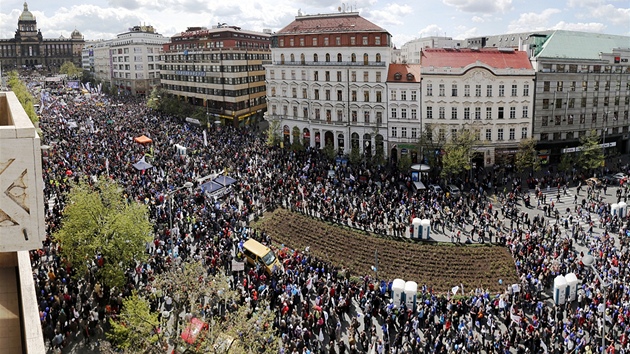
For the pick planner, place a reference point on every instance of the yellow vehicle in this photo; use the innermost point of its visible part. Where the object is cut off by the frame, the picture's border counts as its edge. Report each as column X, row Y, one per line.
column 257, row 253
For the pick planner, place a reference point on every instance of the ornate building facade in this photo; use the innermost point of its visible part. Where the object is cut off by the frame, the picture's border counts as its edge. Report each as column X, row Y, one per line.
column 29, row 49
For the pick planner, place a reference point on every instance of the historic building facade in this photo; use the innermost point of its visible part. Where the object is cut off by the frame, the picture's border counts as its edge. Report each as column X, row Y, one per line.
column 582, row 84
column 404, row 114
column 489, row 92
column 29, row 49
column 327, row 82
column 220, row 69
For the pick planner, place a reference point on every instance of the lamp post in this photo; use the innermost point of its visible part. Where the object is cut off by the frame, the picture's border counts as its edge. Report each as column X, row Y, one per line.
column 589, row 261
column 605, row 130
column 170, row 196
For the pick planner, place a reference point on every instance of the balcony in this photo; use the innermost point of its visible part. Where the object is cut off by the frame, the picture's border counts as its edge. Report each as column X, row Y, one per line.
column 330, row 63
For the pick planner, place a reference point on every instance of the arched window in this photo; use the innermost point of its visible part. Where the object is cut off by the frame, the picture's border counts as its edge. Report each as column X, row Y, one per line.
column 378, row 57
column 365, row 59
column 339, row 57
column 281, row 58
column 353, row 58
column 327, row 58
column 302, row 59
column 315, row 57
column 292, row 58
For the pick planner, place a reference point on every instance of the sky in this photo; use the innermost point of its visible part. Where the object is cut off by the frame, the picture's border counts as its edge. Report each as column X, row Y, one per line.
column 404, row 20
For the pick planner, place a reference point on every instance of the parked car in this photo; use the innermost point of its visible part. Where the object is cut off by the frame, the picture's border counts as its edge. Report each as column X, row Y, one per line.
column 435, row 188
column 610, row 180
column 453, row 190
column 619, row 176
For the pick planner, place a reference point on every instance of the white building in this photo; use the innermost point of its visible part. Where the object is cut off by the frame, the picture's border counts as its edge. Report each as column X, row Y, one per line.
column 87, row 56
column 404, row 117
column 131, row 61
column 410, row 51
column 326, row 83
column 488, row 91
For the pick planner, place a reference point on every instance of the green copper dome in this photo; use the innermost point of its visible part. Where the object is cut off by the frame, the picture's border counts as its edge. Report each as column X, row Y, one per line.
column 26, row 15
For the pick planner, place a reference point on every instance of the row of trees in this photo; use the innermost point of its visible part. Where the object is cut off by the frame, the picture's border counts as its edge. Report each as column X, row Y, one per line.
column 160, row 100
column 23, row 95
column 104, row 233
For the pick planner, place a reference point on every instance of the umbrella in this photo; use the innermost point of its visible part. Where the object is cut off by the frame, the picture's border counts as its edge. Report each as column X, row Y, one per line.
column 68, row 173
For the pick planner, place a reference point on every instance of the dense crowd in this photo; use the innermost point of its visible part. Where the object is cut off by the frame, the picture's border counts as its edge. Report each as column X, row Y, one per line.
column 318, row 308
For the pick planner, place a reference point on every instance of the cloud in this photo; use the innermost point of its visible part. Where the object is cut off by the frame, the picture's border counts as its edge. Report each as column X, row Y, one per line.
column 463, row 32
column 480, row 6
column 615, row 15
column 582, row 27
column 431, row 30
column 477, row 19
column 392, row 14
column 531, row 21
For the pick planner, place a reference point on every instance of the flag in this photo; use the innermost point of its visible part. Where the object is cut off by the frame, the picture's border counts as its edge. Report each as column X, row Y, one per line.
column 454, row 289
column 205, row 139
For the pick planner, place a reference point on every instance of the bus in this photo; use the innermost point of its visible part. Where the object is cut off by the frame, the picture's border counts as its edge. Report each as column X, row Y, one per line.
column 257, row 253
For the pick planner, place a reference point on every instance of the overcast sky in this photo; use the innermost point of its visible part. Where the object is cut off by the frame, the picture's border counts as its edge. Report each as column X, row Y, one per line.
column 405, row 20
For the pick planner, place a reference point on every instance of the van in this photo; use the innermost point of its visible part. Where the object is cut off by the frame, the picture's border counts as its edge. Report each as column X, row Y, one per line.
column 257, row 253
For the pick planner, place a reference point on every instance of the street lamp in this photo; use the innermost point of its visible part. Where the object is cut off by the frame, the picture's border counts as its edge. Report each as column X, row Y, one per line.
column 170, row 196
column 589, row 261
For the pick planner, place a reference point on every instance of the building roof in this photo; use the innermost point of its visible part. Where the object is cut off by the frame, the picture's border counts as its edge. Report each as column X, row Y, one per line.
column 460, row 58
column 330, row 23
column 26, row 15
column 400, row 73
column 580, row 45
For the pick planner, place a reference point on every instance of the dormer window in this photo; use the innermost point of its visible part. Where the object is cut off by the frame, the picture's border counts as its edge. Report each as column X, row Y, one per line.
column 409, row 76
column 397, row 76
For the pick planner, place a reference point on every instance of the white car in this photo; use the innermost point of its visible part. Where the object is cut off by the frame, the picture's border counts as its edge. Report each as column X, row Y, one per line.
column 435, row 188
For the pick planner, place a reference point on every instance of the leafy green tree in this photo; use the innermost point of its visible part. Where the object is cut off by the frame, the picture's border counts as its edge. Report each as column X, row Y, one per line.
column 526, row 156
column 71, row 70
column 136, row 329
column 458, row 154
column 404, row 163
column 355, row 156
column 273, row 133
column 591, row 154
column 566, row 162
column 23, row 95
column 103, row 231
column 153, row 101
column 329, row 152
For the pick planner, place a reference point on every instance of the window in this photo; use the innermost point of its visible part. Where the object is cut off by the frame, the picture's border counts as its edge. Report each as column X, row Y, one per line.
column 327, row 95
column 500, row 134
column 353, row 94
column 354, row 116
column 326, row 41
column 477, row 90
column 441, row 113
column 477, row 113
column 394, row 113
column 571, row 102
column 501, row 90
column 379, row 117
column 316, row 75
column 453, row 112
column 466, row 90
column 339, row 58
column 500, row 115
column 570, row 119
column 315, row 41
column 414, row 133
column 378, row 57
column 545, row 104
column 339, row 95
column 429, row 89
column 582, row 118
column 366, row 116
column 353, row 58
column 512, row 112
column 315, row 58
column 544, row 121
column 526, row 90
column 523, row 133
column 489, row 134
column 338, row 40
column 453, row 134
column 403, row 95
column 441, row 90
column 558, row 102
column 546, row 86
column 403, row 113
column 327, row 75
column 414, row 95
column 441, row 134
column 467, row 113
column 392, row 93
column 378, row 76
column 366, row 96
column 294, row 92
column 328, row 116
column 525, row 111
column 378, row 96
column 353, row 40
column 489, row 90
column 544, row 136
column 317, row 116
column 366, row 76
column 429, row 112
column 403, row 132
column 559, row 85
column 301, row 42
column 339, row 115
column 365, row 59
column 338, row 76
column 454, row 90
column 488, row 112
column 305, row 112
column 394, row 132
column 414, row 113
column 353, row 76
column 365, row 40
column 512, row 133
column 377, row 40
column 583, row 102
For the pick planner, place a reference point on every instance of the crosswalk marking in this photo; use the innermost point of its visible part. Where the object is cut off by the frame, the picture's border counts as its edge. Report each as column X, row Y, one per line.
column 552, row 194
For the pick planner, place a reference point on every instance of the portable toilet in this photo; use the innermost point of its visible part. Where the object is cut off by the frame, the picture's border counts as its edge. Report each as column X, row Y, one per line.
column 425, row 227
column 623, row 209
column 560, row 290
column 614, row 209
column 398, row 291
column 411, row 291
column 415, row 228
column 572, row 284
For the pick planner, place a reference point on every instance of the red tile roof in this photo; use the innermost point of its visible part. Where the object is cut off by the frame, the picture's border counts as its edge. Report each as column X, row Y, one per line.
column 459, row 58
column 403, row 70
column 330, row 23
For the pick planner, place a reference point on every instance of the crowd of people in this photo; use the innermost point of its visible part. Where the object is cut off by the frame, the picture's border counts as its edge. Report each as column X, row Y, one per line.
column 318, row 308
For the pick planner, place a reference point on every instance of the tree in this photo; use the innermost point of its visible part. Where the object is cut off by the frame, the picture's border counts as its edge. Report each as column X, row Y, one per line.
column 404, row 163
column 71, row 70
column 23, row 95
column 273, row 132
column 566, row 162
column 153, row 101
column 591, row 154
column 136, row 329
column 458, row 153
column 526, row 156
column 329, row 152
column 102, row 231
column 355, row 156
